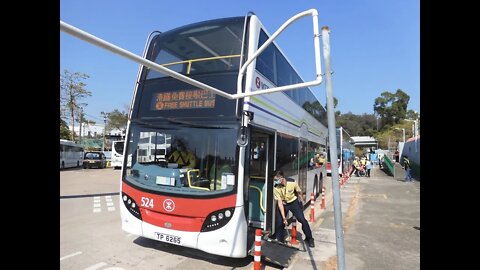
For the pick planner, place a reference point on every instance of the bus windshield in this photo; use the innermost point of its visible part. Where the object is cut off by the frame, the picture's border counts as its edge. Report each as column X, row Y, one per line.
column 196, row 161
column 118, row 147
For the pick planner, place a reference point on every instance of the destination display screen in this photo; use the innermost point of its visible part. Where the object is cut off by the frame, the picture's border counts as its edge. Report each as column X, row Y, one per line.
column 170, row 98
column 183, row 99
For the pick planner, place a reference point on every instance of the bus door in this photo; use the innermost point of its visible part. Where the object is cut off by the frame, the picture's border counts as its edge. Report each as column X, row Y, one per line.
column 260, row 184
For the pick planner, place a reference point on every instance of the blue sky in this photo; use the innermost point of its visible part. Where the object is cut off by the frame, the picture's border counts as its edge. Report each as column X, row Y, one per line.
column 375, row 44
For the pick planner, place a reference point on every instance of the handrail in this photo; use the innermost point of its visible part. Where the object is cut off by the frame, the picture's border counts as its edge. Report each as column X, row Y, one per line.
column 261, row 197
column 190, row 183
column 78, row 33
column 199, row 60
column 318, row 68
column 388, row 164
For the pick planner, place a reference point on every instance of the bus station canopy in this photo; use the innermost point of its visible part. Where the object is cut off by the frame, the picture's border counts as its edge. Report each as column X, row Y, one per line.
column 360, row 141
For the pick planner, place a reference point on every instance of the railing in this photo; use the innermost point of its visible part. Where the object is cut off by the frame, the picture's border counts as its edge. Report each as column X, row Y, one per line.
column 387, row 163
column 189, row 62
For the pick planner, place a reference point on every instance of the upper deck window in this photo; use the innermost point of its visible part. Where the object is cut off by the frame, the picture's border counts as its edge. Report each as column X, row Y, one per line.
column 206, row 47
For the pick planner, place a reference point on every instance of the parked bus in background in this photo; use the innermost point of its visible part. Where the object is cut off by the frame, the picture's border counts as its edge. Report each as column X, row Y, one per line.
column 117, row 155
column 71, row 154
column 237, row 144
column 345, row 152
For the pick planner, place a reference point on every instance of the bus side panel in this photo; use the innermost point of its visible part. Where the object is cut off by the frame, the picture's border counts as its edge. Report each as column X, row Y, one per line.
column 310, row 183
column 230, row 240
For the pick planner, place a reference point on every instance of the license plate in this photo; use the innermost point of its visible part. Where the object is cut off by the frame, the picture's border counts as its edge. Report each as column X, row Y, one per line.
column 177, row 240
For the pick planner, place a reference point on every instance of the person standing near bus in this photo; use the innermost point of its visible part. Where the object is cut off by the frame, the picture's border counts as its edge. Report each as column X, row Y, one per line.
column 285, row 193
column 355, row 167
column 182, row 156
column 406, row 165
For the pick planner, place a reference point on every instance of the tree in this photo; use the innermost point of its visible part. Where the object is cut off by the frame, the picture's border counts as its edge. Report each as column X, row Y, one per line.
column 117, row 120
column 391, row 107
column 357, row 125
column 335, row 103
column 411, row 114
column 72, row 91
column 64, row 131
column 81, row 120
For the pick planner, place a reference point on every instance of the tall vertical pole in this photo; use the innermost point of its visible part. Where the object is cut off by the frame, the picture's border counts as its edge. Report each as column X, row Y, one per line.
column 337, row 207
column 81, row 117
column 415, row 123
column 104, row 130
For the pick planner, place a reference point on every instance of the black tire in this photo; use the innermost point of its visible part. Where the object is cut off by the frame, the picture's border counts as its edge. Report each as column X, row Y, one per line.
column 320, row 184
column 315, row 186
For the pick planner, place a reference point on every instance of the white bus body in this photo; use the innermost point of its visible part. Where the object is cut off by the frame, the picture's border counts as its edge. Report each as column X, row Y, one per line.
column 217, row 205
column 71, row 154
column 117, row 155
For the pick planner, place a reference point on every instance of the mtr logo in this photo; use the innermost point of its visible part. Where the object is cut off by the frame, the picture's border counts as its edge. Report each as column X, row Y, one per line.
column 260, row 84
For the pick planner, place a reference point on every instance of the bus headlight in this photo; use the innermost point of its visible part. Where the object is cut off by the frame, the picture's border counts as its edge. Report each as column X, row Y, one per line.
column 217, row 219
column 131, row 206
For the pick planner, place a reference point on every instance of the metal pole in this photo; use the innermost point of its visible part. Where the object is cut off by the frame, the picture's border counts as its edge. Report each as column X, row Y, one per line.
column 415, row 123
column 337, row 207
column 81, row 116
column 104, row 130
column 69, row 29
column 403, row 135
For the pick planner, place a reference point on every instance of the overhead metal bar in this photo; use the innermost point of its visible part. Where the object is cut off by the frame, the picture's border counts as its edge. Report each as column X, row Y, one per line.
column 76, row 32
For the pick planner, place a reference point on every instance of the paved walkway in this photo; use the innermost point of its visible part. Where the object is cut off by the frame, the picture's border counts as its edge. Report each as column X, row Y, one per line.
column 381, row 222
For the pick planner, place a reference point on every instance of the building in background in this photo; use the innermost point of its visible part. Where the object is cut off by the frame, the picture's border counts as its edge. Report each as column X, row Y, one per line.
column 92, row 136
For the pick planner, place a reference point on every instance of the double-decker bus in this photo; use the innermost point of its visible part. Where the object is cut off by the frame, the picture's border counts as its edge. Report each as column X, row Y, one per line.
column 71, row 154
column 345, row 152
column 237, row 143
column 117, row 155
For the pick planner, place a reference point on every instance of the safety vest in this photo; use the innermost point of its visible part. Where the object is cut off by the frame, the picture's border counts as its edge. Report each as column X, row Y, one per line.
column 287, row 193
column 183, row 158
column 406, row 163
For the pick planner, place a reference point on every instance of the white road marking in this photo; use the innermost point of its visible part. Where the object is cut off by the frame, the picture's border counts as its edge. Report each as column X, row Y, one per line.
column 70, row 255
column 97, row 204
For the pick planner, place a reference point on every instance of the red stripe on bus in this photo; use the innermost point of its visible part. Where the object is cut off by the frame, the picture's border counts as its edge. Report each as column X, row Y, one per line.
column 187, row 214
